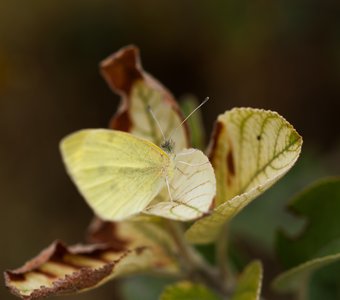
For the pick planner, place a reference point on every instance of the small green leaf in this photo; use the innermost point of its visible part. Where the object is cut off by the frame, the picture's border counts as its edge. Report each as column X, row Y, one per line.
column 186, row 290
column 249, row 283
column 250, row 150
column 293, row 278
column 318, row 244
column 188, row 104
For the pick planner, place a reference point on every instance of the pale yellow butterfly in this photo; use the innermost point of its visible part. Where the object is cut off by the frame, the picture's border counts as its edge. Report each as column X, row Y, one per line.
column 120, row 174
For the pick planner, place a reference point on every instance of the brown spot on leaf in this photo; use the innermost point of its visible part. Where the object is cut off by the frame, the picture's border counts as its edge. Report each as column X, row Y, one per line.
column 230, row 162
column 230, row 166
column 217, row 131
column 140, row 250
column 212, row 206
column 15, row 276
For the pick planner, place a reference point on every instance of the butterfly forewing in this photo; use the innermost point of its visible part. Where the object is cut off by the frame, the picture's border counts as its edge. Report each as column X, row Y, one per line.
column 117, row 173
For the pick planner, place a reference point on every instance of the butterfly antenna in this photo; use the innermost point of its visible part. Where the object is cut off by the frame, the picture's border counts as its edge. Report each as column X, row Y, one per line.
column 154, row 117
column 198, row 107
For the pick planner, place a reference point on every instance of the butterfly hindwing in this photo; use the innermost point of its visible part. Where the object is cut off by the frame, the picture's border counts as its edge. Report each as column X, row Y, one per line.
column 192, row 188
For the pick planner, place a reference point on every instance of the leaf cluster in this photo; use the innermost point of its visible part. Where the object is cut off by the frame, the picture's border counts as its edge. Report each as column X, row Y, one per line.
column 249, row 150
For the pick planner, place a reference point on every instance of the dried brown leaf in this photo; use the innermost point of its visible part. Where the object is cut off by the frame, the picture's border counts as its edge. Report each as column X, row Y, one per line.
column 59, row 269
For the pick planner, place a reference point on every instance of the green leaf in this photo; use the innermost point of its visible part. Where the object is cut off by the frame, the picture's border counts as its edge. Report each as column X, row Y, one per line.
column 324, row 285
column 319, row 242
column 319, row 206
column 249, row 283
column 195, row 122
column 186, row 290
column 295, row 277
column 250, row 150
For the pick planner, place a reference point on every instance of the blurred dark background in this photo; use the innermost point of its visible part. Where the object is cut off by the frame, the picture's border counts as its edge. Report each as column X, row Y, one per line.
column 279, row 55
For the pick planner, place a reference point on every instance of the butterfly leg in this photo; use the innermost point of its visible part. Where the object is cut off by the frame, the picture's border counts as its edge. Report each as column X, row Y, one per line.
column 186, row 153
column 193, row 165
column 168, row 186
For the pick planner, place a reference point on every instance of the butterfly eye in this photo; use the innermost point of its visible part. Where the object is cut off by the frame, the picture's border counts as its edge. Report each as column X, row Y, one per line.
column 168, row 146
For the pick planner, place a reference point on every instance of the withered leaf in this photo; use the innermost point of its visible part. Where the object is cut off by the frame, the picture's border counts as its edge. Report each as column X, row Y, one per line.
column 59, row 269
column 139, row 90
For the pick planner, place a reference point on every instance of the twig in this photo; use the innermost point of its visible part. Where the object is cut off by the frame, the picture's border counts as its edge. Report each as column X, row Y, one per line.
column 193, row 263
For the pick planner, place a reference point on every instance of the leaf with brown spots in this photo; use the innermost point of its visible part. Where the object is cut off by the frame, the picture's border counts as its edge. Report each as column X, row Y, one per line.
column 124, row 74
column 250, row 150
column 249, row 283
column 60, row 270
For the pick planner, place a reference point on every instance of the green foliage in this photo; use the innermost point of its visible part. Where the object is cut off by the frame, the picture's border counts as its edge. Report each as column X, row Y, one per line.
column 186, row 290
column 249, row 283
column 249, row 151
column 195, row 122
column 319, row 206
column 318, row 244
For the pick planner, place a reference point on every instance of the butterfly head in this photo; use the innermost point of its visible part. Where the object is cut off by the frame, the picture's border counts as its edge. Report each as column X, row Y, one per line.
column 168, row 146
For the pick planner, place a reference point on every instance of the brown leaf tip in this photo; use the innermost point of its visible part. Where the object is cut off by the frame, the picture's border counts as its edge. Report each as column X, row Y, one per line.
column 122, row 69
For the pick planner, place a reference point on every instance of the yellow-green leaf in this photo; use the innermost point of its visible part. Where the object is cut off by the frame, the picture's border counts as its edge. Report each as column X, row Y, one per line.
column 250, row 150
column 249, row 283
column 186, row 290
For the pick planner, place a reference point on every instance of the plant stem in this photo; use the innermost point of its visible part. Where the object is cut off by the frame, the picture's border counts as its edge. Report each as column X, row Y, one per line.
column 221, row 253
column 193, row 263
column 189, row 255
